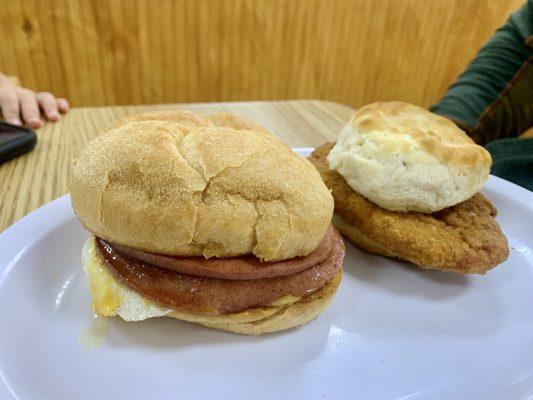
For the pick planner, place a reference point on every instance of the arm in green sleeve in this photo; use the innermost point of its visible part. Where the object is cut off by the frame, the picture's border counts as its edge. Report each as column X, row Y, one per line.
column 493, row 97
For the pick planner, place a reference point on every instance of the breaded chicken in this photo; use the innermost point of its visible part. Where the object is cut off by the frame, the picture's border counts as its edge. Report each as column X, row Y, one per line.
column 464, row 238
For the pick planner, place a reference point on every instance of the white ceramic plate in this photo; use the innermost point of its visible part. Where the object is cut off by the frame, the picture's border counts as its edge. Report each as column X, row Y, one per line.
column 392, row 332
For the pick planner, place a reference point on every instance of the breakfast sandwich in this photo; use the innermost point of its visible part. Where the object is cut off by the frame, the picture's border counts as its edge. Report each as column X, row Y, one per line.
column 406, row 185
column 207, row 219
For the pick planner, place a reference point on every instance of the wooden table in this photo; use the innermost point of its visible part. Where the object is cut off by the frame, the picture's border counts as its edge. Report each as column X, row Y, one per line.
column 36, row 178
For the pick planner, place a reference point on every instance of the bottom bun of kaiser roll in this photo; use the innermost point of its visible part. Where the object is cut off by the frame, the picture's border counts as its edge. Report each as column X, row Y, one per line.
column 186, row 184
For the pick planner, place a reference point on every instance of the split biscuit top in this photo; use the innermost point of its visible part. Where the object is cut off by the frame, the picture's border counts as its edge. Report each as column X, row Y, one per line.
column 405, row 158
column 181, row 183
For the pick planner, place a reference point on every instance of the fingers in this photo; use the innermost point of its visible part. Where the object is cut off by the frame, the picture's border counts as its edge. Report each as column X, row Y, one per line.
column 29, row 107
column 49, row 105
column 9, row 103
column 63, row 105
column 19, row 103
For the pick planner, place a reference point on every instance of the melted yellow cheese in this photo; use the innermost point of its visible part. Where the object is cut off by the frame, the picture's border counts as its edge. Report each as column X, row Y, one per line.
column 285, row 301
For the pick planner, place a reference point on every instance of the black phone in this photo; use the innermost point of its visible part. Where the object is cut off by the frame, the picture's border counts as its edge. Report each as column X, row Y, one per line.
column 15, row 141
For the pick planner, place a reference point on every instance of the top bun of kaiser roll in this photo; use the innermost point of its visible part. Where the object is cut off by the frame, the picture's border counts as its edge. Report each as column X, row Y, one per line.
column 404, row 158
column 182, row 183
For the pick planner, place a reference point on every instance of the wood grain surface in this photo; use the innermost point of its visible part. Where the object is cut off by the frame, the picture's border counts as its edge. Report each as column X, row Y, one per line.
column 166, row 51
column 36, row 178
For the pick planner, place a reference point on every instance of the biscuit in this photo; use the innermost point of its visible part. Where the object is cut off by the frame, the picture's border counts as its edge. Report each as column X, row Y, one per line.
column 405, row 158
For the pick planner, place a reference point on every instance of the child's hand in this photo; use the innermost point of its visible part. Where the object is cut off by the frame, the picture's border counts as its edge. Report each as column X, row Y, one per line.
column 21, row 104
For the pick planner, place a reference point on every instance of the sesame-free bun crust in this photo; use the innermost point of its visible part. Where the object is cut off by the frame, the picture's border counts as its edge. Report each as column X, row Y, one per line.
column 405, row 158
column 181, row 183
column 464, row 238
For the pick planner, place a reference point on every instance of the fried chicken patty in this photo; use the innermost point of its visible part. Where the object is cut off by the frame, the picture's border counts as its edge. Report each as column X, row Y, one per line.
column 464, row 238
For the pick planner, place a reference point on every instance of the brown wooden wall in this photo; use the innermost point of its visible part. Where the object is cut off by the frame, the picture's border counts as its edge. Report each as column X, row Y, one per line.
column 155, row 51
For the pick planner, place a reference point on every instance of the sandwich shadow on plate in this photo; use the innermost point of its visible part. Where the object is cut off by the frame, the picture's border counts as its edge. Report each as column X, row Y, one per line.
column 172, row 336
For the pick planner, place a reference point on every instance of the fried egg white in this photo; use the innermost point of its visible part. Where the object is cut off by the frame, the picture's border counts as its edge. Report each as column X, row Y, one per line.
column 110, row 297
